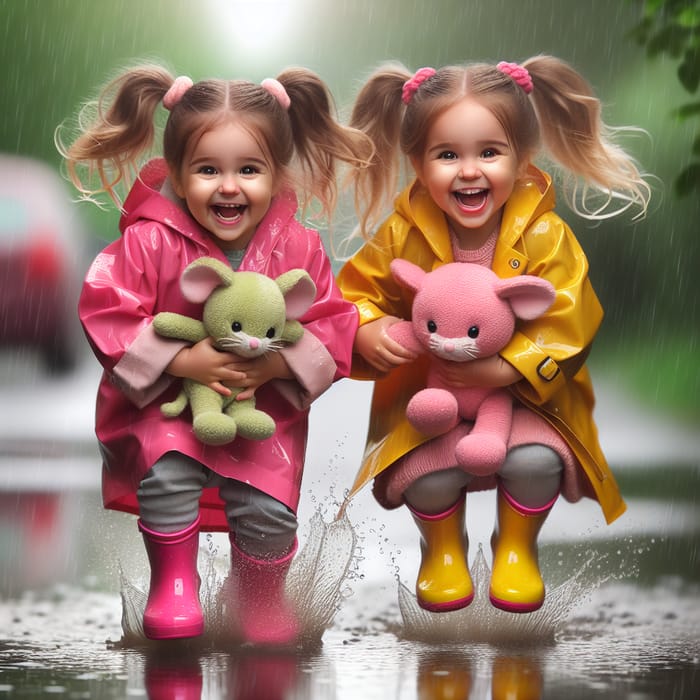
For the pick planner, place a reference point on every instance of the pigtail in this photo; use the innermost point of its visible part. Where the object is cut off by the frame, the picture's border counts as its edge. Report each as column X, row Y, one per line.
column 574, row 134
column 116, row 131
column 319, row 140
column 378, row 111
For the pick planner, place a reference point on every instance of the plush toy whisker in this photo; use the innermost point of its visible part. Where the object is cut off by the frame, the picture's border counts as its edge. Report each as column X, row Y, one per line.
column 455, row 349
column 248, row 346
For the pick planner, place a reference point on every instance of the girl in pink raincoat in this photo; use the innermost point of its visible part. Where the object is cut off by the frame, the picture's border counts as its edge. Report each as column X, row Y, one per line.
column 223, row 190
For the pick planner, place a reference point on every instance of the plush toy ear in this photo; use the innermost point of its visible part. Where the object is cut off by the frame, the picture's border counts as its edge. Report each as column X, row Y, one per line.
column 407, row 274
column 201, row 277
column 298, row 290
column 528, row 296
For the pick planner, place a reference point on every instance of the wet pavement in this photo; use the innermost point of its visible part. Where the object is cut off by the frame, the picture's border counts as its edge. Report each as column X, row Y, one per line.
column 621, row 619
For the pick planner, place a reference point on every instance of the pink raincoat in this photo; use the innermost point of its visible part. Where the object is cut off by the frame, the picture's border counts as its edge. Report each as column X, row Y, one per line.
column 137, row 276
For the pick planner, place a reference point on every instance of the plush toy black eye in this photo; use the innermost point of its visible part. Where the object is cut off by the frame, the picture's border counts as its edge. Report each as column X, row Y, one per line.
column 236, row 327
column 432, row 326
column 270, row 333
column 473, row 332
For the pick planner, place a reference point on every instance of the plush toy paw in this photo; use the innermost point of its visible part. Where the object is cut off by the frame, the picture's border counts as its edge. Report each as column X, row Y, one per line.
column 253, row 424
column 480, row 454
column 433, row 411
column 214, row 428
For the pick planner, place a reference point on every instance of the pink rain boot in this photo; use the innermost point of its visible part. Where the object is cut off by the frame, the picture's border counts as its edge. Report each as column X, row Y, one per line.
column 173, row 608
column 264, row 613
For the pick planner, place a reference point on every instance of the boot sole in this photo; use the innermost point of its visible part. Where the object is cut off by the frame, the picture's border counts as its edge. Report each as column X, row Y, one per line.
column 178, row 632
column 509, row 606
column 447, row 606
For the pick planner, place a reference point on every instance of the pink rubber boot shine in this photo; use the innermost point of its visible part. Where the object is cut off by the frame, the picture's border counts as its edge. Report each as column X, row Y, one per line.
column 173, row 610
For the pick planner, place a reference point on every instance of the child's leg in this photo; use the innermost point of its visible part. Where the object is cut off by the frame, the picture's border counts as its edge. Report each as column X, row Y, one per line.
column 438, row 491
column 262, row 526
column 437, row 503
column 531, row 475
column 169, row 507
column 169, row 493
column 263, row 544
column 529, row 485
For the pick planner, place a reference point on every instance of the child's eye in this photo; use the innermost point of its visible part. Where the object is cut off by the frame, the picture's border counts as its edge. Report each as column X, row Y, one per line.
column 207, row 170
column 447, row 155
column 249, row 170
column 489, row 153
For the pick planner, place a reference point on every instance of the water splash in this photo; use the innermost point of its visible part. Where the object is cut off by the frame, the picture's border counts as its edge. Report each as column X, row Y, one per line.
column 316, row 587
column 481, row 622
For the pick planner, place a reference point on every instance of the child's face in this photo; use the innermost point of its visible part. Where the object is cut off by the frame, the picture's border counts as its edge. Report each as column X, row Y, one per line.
column 227, row 182
column 469, row 169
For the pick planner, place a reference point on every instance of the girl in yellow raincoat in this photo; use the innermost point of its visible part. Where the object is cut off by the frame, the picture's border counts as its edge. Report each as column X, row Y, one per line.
column 470, row 134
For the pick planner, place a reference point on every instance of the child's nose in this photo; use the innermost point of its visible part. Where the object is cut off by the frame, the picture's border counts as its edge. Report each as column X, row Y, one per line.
column 469, row 170
column 229, row 185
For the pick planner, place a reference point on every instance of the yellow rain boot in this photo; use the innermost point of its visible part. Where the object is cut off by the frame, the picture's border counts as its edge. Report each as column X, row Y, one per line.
column 444, row 582
column 516, row 582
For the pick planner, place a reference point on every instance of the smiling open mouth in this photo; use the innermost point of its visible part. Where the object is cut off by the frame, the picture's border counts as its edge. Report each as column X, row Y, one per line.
column 471, row 198
column 228, row 213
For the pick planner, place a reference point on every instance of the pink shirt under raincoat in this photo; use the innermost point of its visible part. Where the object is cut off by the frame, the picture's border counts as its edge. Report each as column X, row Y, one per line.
column 137, row 276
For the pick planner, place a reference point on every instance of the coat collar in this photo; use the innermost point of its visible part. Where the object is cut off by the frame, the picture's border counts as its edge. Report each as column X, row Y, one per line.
column 151, row 198
column 533, row 196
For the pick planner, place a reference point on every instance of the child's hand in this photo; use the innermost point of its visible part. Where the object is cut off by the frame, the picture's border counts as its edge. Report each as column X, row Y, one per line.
column 373, row 343
column 255, row 372
column 491, row 371
column 205, row 364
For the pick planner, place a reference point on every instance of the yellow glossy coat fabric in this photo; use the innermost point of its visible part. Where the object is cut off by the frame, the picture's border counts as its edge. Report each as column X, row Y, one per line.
column 549, row 352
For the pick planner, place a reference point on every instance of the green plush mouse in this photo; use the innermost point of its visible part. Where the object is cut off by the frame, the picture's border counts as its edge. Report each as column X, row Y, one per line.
column 246, row 313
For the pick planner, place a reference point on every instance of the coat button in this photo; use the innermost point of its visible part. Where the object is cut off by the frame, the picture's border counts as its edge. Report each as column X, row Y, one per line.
column 514, row 263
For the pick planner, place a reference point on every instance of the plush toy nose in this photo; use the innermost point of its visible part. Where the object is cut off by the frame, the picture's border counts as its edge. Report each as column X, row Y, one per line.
column 254, row 343
column 449, row 347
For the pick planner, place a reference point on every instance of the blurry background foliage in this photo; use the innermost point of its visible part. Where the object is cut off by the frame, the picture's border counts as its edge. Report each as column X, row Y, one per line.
column 672, row 27
column 640, row 56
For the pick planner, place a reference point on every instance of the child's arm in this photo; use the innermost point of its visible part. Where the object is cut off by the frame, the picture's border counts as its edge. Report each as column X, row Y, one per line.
column 487, row 372
column 203, row 363
column 255, row 372
column 549, row 351
column 378, row 348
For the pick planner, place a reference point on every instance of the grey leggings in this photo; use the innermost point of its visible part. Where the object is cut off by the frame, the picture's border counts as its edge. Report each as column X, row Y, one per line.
column 169, row 501
column 531, row 474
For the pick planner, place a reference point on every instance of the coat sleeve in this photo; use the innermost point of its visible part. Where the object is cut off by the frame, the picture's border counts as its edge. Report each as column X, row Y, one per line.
column 116, row 308
column 367, row 282
column 324, row 353
column 366, row 278
column 550, row 350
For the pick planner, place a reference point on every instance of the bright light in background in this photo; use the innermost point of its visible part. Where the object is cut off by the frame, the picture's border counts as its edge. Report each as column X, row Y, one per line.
column 254, row 30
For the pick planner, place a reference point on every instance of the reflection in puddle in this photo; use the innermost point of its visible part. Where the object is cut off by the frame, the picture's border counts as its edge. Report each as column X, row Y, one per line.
column 610, row 630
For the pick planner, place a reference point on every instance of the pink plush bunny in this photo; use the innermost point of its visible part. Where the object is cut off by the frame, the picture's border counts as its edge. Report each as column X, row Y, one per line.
column 462, row 312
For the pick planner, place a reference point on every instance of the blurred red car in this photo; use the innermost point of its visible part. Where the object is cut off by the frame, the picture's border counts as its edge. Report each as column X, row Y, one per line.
column 41, row 259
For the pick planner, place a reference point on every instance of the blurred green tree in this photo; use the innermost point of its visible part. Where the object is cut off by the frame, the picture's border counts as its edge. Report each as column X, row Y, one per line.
column 672, row 27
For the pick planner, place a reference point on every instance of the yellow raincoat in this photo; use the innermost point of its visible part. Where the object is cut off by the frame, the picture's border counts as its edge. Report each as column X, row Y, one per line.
column 549, row 352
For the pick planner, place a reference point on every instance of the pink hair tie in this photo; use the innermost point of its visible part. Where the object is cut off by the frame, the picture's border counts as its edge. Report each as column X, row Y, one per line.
column 180, row 86
column 412, row 84
column 276, row 89
column 519, row 74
